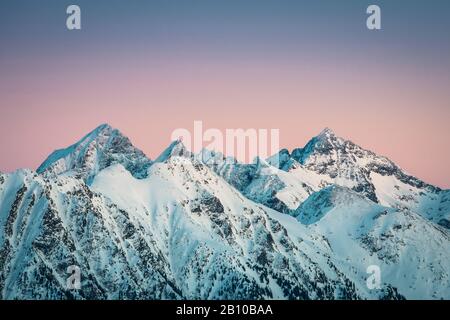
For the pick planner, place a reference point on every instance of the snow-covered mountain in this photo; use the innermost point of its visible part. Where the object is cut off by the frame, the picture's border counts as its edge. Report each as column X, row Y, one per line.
column 327, row 159
column 183, row 227
column 99, row 149
column 399, row 241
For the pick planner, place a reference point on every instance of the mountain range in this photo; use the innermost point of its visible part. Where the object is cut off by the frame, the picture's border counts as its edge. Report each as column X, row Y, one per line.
column 302, row 224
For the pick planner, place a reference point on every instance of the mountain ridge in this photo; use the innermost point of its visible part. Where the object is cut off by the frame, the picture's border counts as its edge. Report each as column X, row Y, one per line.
column 184, row 227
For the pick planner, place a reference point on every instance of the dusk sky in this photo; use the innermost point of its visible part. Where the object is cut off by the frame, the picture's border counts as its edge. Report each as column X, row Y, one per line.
column 149, row 67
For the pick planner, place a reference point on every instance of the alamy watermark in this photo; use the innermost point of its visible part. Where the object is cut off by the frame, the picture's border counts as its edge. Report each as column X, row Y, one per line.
column 374, row 280
column 244, row 145
column 373, row 22
column 73, row 21
column 73, row 282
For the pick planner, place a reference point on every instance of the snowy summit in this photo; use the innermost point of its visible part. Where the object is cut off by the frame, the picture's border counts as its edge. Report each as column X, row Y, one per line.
column 306, row 227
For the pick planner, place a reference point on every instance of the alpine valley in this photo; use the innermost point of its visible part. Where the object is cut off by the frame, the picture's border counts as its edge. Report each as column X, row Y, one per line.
column 303, row 224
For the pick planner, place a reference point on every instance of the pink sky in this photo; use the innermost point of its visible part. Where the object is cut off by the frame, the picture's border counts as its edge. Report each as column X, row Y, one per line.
column 399, row 111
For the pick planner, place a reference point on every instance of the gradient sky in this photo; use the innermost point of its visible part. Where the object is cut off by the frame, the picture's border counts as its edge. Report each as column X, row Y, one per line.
column 149, row 67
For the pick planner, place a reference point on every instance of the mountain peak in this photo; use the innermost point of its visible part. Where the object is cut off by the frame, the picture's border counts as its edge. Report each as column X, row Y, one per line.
column 105, row 127
column 97, row 150
column 175, row 149
column 327, row 136
column 327, row 132
column 100, row 131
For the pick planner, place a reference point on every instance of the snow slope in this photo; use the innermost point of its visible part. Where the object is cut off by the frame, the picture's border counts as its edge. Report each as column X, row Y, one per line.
column 410, row 250
column 218, row 243
column 183, row 227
